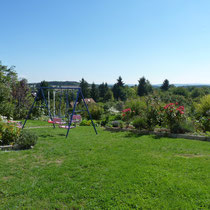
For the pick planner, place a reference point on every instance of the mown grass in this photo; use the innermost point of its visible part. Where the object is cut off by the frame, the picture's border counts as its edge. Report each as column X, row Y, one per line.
column 36, row 123
column 106, row 171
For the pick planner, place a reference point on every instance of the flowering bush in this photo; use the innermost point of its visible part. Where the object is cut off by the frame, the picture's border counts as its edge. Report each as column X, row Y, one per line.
column 174, row 116
column 126, row 114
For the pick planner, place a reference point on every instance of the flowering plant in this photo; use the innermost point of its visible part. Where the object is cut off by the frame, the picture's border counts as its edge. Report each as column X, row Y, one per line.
column 126, row 114
column 173, row 114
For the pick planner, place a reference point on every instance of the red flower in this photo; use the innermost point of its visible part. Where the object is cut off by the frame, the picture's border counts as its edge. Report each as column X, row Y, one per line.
column 127, row 110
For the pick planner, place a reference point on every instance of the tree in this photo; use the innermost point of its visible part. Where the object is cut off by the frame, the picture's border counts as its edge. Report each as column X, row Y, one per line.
column 165, row 86
column 94, row 93
column 22, row 99
column 118, row 90
column 103, row 88
column 85, row 88
column 120, row 83
column 45, row 85
column 197, row 92
column 180, row 91
column 109, row 96
column 8, row 78
column 144, row 87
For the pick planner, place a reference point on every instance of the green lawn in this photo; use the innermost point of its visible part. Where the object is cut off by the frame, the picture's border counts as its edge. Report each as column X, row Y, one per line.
column 108, row 171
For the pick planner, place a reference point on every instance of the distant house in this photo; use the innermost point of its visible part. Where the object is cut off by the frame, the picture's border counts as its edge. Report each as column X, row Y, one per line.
column 87, row 101
column 72, row 104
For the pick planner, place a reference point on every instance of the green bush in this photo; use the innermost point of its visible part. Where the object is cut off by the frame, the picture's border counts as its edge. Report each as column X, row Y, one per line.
column 96, row 112
column 88, row 123
column 138, row 106
column 140, row 123
column 85, row 123
column 182, row 127
column 8, row 133
column 203, row 113
column 117, row 123
column 26, row 140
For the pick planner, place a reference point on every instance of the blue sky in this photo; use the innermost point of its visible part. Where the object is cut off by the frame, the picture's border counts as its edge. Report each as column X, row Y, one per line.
column 102, row 39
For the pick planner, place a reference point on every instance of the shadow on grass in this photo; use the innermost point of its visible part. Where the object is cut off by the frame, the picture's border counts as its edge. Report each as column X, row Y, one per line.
column 136, row 135
column 52, row 136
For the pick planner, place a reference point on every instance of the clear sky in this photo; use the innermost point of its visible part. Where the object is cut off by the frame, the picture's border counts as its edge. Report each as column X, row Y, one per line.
column 103, row 39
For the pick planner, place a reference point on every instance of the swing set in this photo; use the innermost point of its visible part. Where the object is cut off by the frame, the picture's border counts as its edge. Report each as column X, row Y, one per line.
column 71, row 117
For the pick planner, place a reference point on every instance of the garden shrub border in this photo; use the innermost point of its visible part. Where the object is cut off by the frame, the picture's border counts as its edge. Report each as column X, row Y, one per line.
column 160, row 134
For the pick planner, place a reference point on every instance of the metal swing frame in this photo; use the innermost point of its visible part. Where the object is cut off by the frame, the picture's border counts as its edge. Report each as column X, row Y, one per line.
column 79, row 91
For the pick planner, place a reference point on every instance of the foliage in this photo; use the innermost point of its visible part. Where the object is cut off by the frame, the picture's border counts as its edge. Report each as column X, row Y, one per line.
column 203, row 108
column 203, row 112
column 88, row 123
column 173, row 116
column 8, row 133
column 119, row 105
column 144, row 87
column 197, row 92
column 22, row 99
column 26, row 139
column 165, row 86
column 103, row 89
column 140, row 123
column 180, row 91
column 154, row 112
column 96, row 112
column 8, row 78
column 119, row 91
column 127, row 114
column 184, row 126
column 94, row 93
column 85, row 88
column 117, row 123
column 138, row 106
column 109, row 96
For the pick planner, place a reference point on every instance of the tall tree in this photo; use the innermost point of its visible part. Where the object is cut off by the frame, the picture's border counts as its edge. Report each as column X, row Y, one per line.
column 119, row 90
column 120, row 83
column 85, row 88
column 22, row 99
column 45, row 85
column 103, row 88
column 109, row 96
column 144, row 87
column 94, row 93
column 165, row 86
column 8, row 78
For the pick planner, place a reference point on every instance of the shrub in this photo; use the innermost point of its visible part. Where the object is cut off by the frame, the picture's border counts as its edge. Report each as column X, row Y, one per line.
column 140, row 123
column 173, row 116
column 85, row 123
column 26, row 140
column 8, row 133
column 203, row 113
column 182, row 127
column 96, row 112
column 137, row 106
column 88, row 123
column 118, row 123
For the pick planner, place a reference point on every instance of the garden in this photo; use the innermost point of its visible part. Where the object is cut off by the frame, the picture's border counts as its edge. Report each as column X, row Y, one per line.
column 41, row 168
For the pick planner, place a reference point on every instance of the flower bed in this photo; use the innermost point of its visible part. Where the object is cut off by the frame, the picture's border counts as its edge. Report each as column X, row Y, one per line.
column 160, row 134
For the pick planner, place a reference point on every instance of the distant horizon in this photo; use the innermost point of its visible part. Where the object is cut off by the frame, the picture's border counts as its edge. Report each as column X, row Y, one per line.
column 176, row 84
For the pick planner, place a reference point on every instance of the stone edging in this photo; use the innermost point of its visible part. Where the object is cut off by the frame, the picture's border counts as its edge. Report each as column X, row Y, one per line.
column 6, row 147
column 160, row 134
